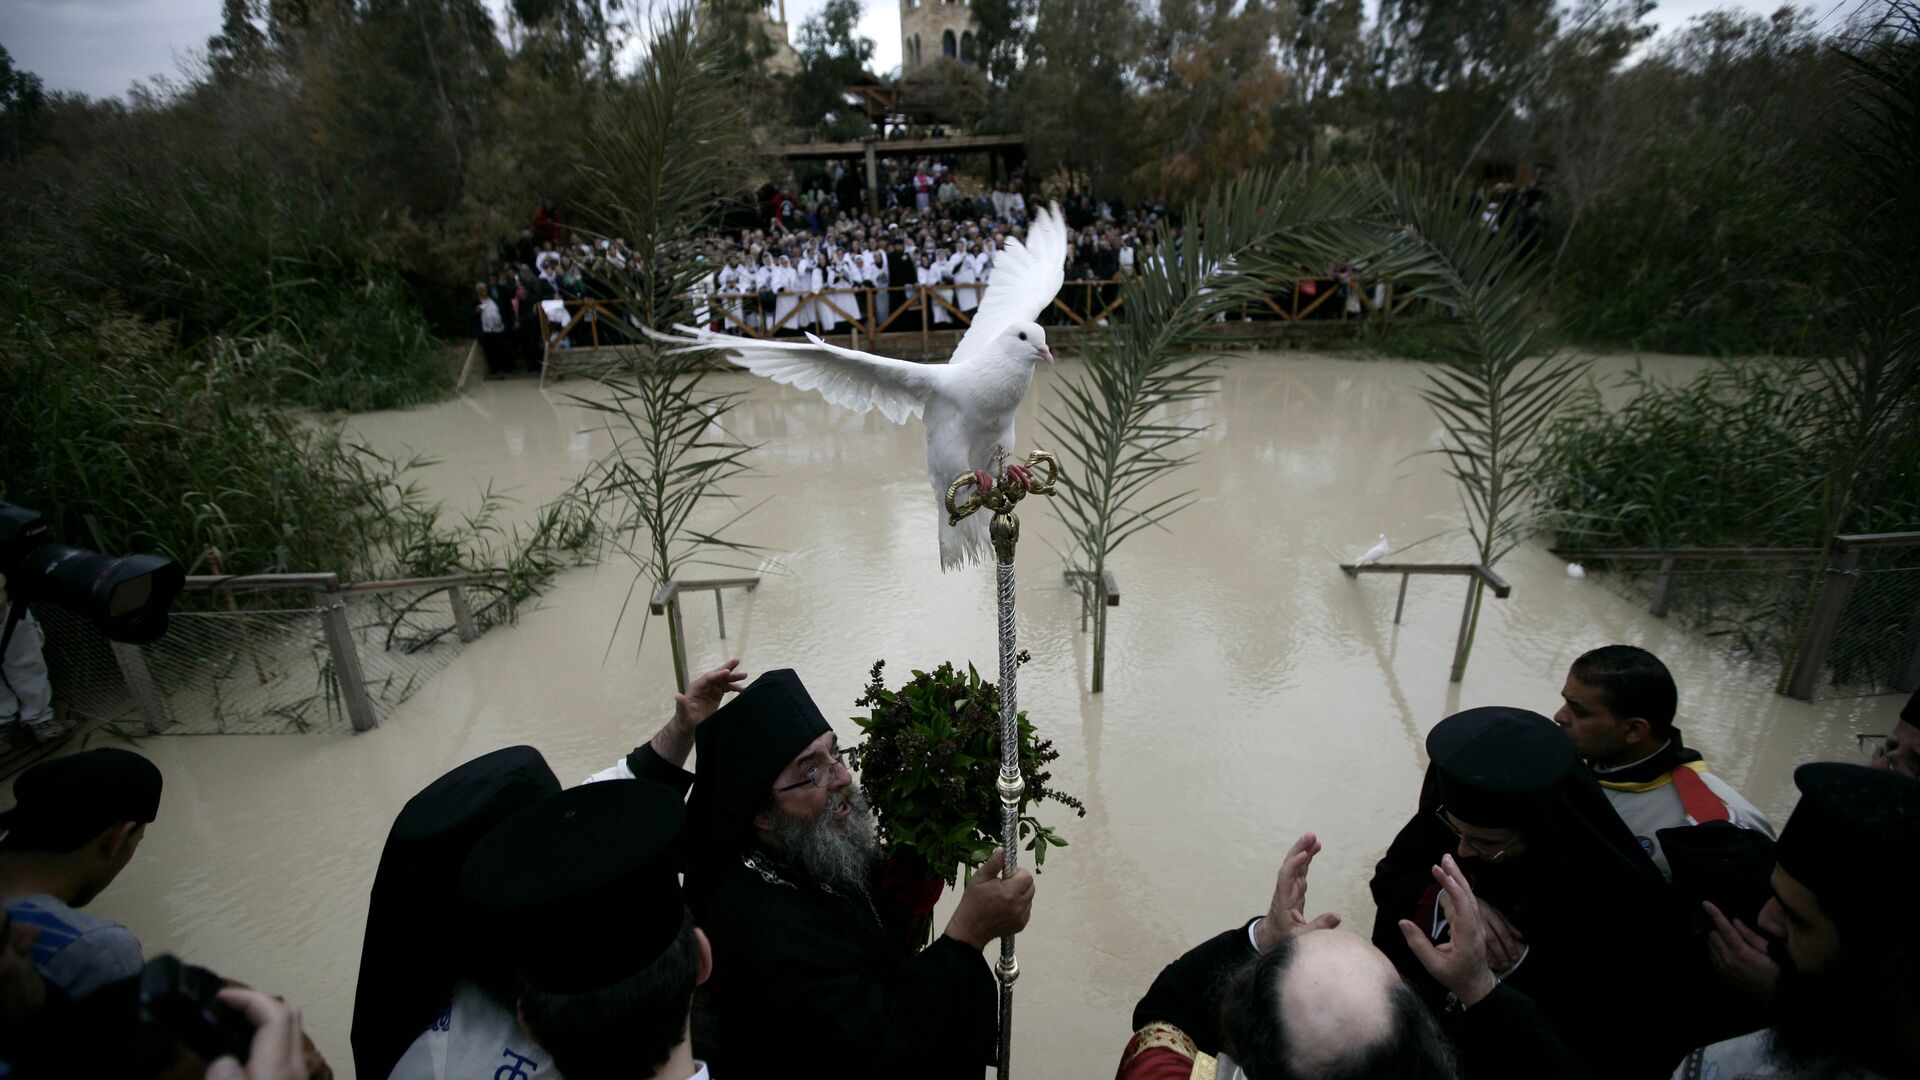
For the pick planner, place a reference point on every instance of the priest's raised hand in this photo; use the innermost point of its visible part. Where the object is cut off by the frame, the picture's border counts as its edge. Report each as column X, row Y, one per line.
column 992, row 906
column 662, row 757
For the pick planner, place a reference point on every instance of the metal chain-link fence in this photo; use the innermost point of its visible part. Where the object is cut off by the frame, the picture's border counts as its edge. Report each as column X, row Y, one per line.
column 1877, row 647
column 267, row 670
column 1750, row 607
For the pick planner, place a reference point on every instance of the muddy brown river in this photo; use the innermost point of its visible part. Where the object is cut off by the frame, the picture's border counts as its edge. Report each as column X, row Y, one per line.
column 1253, row 691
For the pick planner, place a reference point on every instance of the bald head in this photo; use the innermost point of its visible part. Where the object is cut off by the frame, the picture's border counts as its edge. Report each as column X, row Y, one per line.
column 1327, row 1005
column 1335, row 1000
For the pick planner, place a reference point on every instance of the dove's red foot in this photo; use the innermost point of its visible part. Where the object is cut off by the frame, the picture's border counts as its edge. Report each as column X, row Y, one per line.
column 1021, row 475
column 986, row 482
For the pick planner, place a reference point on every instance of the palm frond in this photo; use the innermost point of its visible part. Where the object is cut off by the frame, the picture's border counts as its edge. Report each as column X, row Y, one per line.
column 664, row 151
column 1113, row 424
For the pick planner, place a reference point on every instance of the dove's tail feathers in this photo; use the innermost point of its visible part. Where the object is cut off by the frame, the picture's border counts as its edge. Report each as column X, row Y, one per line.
column 964, row 543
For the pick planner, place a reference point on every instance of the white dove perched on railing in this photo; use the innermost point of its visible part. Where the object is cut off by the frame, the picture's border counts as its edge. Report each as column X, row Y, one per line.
column 967, row 404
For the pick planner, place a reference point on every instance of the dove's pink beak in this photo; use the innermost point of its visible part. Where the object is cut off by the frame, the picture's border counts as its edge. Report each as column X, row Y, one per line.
column 1046, row 352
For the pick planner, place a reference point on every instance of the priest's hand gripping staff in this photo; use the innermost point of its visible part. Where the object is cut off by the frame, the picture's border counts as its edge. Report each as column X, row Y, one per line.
column 1011, row 484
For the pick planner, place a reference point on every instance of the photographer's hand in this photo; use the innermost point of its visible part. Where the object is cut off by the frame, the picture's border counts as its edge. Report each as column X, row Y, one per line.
column 278, row 1050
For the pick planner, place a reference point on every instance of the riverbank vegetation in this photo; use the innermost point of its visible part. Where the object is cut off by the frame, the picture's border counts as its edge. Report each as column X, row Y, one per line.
column 129, row 441
column 1790, row 453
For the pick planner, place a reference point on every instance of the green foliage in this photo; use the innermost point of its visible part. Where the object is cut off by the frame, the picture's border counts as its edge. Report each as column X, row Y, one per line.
column 1702, row 248
column 23, row 102
column 833, row 56
column 297, row 299
column 1684, row 200
column 1787, row 454
column 930, row 766
column 1720, row 461
column 129, row 443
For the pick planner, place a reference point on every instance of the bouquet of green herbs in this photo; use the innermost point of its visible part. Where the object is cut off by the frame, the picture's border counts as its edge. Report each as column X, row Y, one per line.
column 931, row 762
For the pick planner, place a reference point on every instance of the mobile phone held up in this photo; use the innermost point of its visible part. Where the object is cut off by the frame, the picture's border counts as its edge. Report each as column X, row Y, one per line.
column 179, row 999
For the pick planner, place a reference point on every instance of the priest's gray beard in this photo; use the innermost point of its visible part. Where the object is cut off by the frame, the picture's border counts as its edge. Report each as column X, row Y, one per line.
column 838, row 858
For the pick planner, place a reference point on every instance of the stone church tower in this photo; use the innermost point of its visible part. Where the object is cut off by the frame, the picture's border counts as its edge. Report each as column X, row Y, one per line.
column 931, row 29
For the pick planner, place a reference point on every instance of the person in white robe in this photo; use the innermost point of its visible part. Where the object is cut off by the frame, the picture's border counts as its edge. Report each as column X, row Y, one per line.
column 787, row 296
column 836, row 297
column 942, row 272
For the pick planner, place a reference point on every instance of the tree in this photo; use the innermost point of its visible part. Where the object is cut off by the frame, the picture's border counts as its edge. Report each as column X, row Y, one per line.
column 1000, row 32
column 1319, row 65
column 240, row 46
column 833, row 56
column 1443, row 69
column 22, row 101
column 1213, row 98
column 1074, row 100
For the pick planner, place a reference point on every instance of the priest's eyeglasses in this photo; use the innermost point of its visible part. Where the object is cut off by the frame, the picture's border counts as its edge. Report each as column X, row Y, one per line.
column 1491, row 854
column 822, row 774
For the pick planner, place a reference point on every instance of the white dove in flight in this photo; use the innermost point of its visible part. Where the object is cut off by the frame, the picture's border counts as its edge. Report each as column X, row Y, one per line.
column 1374, row 553
column 967, row 404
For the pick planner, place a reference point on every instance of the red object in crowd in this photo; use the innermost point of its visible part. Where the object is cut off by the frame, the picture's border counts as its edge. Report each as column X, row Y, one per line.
column 546, row 223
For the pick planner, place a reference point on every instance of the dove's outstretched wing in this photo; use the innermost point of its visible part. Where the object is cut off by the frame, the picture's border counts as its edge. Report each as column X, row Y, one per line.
column 1026, row 278
column 848, row 378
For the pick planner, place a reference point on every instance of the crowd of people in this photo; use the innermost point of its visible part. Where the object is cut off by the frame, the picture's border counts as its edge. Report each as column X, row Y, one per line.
column 820, row 260
column 1571, row 896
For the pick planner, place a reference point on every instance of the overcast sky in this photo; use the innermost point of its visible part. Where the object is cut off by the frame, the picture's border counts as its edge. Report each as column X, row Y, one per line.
column 100, row 47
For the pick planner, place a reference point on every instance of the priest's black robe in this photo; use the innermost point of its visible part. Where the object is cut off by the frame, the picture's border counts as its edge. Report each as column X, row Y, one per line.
column 800, row 972
column 1600, row 927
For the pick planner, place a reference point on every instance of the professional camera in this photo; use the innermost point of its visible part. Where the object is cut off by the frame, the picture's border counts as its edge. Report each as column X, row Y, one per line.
column 125, row 596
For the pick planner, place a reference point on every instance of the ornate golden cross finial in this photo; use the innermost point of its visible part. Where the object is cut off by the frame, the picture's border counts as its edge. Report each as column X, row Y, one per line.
column 1011, row 483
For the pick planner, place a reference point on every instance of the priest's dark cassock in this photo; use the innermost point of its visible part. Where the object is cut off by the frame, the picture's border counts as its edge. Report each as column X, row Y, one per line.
column 1603, row 935
column 800, row 970
column 421, row 933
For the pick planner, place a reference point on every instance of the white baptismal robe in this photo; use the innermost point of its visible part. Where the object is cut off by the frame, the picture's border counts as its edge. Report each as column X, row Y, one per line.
column 477, row 1038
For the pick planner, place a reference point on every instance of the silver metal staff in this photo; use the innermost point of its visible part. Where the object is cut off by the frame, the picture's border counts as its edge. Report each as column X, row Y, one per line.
column 1011, row 484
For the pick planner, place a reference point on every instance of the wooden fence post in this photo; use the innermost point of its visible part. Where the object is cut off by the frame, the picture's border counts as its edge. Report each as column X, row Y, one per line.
column 1909, row 680
column 1822, row 623
column 1466, row 624
column 332, row 608
column 463, row 614
column 139, row 679
column 1663, row 589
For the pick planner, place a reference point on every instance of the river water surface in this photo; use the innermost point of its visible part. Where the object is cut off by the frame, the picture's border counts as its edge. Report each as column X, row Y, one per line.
column 1253, row 691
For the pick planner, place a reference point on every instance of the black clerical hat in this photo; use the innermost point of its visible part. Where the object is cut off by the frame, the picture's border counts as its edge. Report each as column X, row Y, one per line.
column 583, row 887
column 420, row 936
column 746, row 742
column 63, row 802
column 1852, row 839
column 1491, row 764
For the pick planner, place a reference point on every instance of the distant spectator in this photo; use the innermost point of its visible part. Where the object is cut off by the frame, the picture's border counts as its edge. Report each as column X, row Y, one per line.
column 488, row 325
column 26, row 695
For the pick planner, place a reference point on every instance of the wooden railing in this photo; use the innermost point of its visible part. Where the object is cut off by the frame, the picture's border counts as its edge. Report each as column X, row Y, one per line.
column 928, row 309
column 1478, row 575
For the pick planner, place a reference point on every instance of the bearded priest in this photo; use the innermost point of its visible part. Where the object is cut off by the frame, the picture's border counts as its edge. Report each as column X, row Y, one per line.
column 780, row 865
